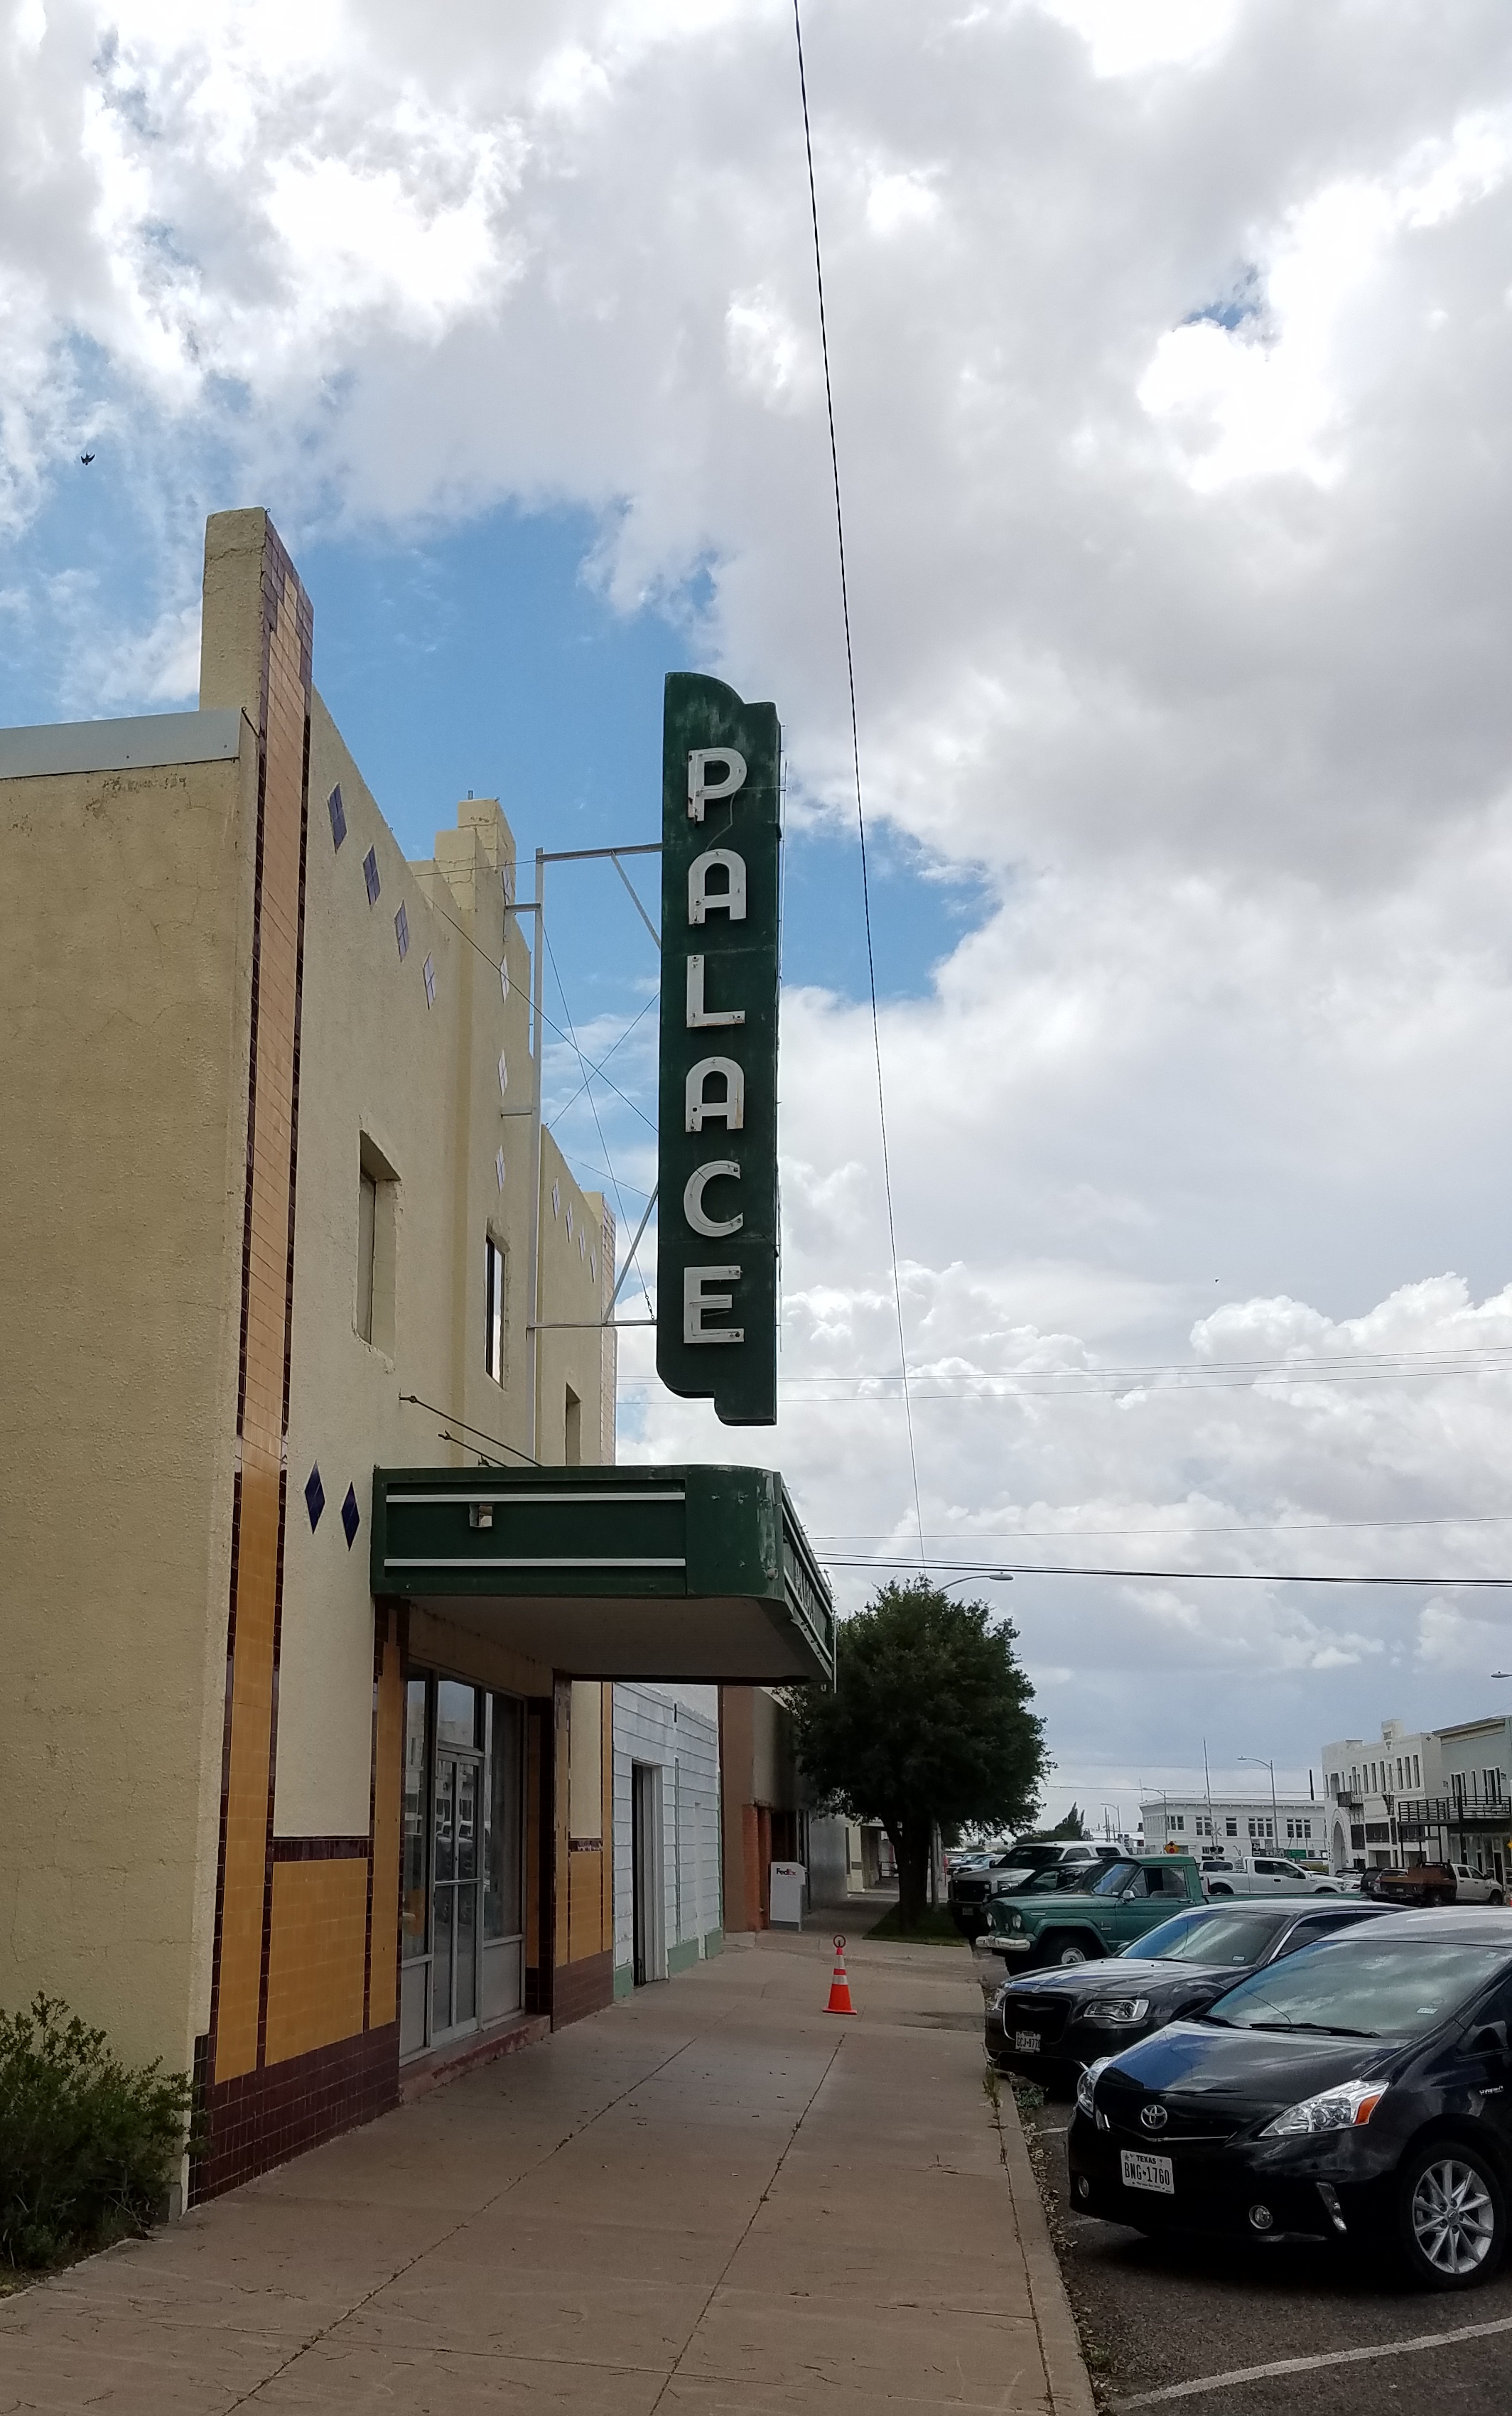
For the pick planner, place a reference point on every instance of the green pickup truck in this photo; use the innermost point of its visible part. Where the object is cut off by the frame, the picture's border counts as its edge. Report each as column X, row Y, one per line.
column 1130, row 1897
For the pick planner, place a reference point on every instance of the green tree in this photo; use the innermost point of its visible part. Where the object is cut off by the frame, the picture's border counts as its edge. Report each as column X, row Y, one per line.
column 1072, row 1826
column 929, row 1721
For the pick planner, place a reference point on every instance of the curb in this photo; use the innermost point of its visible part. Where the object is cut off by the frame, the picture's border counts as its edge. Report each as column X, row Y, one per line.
column 1066, row 2369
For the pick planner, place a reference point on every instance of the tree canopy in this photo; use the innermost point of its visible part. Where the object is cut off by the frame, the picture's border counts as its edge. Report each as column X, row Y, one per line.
column 929, row 1721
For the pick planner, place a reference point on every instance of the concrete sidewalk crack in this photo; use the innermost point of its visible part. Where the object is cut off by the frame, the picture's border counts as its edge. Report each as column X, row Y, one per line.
column 718, row 2283
column 325, row 2332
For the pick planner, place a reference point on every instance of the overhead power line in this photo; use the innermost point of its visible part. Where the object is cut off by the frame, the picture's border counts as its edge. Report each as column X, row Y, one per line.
column 856, row 762
column 989, row 1569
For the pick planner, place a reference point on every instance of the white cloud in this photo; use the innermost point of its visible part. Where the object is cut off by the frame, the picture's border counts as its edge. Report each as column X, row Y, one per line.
column 1171, row 346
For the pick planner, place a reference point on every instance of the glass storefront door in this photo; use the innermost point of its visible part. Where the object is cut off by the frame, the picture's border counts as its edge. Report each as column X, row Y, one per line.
column 454, row 1891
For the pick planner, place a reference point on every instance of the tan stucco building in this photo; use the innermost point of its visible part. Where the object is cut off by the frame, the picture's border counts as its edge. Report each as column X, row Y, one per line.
column 264, row 1200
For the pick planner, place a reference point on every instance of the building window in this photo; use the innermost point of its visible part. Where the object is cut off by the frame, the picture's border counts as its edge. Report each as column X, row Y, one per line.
column 572, row 1437
column 493, row 1311
column 367, row 1229
column 376, row 1224
column 1230, row 1826
column 1417, row 1774
column 1181, row 1820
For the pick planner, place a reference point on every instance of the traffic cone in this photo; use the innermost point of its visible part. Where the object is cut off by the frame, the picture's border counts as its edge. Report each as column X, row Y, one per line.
column 839, row 1986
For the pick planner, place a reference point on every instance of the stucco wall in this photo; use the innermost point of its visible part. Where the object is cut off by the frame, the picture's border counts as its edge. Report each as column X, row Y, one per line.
column 418, row 1081
column 122, row 1081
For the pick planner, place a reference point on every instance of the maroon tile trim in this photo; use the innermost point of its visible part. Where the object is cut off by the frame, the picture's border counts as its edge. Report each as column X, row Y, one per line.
column 278, row 576
column 264, row 2117
column 423, row 2073
column 583, row 1988
column 321, row 1850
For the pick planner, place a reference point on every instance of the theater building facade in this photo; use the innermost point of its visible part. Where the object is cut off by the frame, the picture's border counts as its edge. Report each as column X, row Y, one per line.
column 318, row 1569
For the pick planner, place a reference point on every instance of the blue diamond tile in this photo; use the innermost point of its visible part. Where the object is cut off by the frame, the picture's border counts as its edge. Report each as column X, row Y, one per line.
column 314, row 1497
column 337, row 814
column 350, row 1516
column 369, row 874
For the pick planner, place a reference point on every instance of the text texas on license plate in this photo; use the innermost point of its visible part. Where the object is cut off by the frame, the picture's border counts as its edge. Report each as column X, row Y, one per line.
column 1026, row 2041
column 1147, row 2172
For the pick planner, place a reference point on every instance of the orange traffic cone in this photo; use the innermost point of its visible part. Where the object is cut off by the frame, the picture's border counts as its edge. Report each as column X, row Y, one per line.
column 839, row 1986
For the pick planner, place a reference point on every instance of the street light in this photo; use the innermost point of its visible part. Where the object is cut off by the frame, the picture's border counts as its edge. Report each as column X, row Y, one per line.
column 1261, row 1764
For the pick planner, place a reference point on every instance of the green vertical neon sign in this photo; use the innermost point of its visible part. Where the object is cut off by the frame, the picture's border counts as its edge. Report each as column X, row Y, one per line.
column 717, row 1222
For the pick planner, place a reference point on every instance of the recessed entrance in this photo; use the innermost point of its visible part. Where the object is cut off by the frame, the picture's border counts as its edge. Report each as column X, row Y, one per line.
column 648, row 1867
column 462, row 1918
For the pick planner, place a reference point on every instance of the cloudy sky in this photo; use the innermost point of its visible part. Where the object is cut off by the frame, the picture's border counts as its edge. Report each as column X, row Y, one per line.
column 1172, row 345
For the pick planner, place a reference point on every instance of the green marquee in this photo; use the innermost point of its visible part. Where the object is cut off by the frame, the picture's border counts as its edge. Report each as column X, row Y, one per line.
column 699, row 1574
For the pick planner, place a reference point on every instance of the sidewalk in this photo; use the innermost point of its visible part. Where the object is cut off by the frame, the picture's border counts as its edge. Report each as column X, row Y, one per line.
column 710, row 2201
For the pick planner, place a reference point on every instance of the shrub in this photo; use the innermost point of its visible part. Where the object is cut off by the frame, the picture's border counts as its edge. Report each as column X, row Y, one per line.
column 87, row 2146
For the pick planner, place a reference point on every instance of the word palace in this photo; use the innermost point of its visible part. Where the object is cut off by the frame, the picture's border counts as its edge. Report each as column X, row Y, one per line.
column 717, row 1252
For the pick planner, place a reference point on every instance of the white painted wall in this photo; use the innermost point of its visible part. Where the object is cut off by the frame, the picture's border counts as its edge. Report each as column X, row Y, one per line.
column 678, row 1730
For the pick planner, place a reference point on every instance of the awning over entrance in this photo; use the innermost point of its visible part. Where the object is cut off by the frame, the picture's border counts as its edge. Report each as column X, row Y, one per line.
column 699, row 1574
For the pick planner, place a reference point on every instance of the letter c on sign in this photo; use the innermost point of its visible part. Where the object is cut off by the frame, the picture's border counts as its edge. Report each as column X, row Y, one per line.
column 713, row 1229
column 701, row 788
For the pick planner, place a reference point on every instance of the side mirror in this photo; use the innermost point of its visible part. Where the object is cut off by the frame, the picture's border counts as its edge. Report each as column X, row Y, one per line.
column 1491, row 2039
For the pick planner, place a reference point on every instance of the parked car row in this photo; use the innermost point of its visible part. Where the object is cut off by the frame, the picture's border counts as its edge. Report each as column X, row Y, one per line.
column 974, row 1885
column 1286, row 2071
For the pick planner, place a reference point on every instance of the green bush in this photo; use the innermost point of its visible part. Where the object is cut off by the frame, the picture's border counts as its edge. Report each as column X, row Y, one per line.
column 87, row 2146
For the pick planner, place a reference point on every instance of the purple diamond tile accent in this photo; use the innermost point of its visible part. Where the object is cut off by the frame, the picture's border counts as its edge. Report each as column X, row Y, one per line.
column 402, row 933
column 350, row 1516
column 314, row 1497
column 369, row 874
column 429, row 971
column 337, row 814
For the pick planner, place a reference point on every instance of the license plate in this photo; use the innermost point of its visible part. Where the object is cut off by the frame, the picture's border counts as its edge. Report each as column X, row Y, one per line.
column 1026, row 2041
column 1147, row 2172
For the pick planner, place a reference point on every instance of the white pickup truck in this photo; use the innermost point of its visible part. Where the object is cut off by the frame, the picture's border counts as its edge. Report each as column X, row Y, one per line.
column 1264, row 1874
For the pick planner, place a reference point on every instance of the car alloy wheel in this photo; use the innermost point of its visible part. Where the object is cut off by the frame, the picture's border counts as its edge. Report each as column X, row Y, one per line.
column 1069, row 1952
column 1496, row 1896
column 1454, row 2226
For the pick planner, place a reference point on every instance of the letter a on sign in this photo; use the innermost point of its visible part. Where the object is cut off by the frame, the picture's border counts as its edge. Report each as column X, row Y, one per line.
column 717, row 1254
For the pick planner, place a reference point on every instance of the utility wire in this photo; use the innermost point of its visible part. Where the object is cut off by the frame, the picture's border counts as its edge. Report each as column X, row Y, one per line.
column 502, row 971
column 592, row 1103
column 855, row 760
column 1204, row 1577
column 603, row 1061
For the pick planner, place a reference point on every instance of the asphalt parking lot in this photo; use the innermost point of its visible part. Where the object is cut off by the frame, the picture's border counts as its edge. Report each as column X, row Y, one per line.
column 1280, row 2332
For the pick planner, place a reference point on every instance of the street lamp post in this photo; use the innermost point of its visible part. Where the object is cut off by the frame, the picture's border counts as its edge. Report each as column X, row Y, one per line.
column 1261, row 1764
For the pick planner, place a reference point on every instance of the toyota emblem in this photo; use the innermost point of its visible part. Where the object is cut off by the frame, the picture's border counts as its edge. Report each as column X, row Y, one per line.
column 1153, row 2118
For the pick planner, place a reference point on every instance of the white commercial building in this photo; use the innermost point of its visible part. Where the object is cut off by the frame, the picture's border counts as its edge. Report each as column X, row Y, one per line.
column 1422, row 1795
column 1235, row 1824
column 667, row 1909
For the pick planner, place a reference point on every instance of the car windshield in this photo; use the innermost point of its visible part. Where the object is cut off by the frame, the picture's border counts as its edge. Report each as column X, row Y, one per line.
column 1115, row 1879
column 1361, row 1987
column 1208, row 1938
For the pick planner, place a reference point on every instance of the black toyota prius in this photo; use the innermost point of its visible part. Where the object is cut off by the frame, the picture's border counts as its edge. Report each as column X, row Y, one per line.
column 1357, row 2091
column 1049, row 2025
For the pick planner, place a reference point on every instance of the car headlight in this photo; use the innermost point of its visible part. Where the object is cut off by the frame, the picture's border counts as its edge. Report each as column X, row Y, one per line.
column 1016, row 1920
column 1344, row 2108
column 1086, row 2084
column 1117, row 2009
